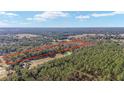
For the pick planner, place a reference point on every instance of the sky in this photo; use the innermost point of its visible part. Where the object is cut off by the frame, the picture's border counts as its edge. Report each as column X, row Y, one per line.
column 62, row 19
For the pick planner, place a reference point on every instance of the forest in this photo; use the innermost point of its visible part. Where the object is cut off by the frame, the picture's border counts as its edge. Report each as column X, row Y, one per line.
column 105, row 61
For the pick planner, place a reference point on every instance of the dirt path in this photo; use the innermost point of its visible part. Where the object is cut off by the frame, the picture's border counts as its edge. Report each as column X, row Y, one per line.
column 35, row 63
column 3, row 72
column 2, row 60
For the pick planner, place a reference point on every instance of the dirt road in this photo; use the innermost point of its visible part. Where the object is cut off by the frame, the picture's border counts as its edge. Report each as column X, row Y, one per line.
column 2, row 60
column 3, row 72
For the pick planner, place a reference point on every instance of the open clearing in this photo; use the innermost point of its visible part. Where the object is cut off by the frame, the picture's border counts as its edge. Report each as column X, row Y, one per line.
column 3, row 72
column 35, row 63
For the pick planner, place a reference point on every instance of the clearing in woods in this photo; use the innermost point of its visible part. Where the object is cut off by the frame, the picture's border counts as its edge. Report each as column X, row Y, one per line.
column 3, row 72
column 35, row 63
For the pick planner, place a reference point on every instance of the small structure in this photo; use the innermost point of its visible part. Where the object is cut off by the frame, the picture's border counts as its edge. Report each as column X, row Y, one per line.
column 67, row 53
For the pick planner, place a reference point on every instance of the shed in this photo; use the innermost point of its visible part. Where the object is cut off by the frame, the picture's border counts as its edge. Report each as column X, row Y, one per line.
column 67, row 53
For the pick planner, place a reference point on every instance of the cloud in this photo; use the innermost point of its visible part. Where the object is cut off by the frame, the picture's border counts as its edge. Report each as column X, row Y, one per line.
column 29, row 18
column 101, row 15
column 107, row 14
column 24, row 23
column 3, row 24
column 47, row 15
column 81, row 17
column 8, row 14
column 118, row 12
